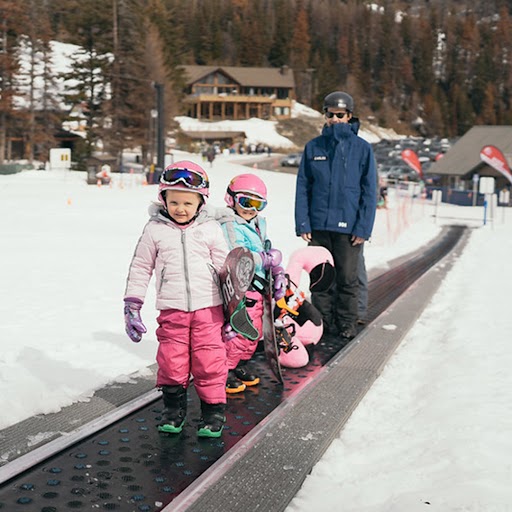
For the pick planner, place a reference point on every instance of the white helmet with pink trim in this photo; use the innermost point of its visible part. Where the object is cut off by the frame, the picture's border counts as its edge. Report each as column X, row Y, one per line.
column 245, row 183
column 184, row 175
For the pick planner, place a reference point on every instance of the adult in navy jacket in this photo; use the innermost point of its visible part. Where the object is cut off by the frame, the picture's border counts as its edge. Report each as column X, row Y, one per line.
column 335, row 206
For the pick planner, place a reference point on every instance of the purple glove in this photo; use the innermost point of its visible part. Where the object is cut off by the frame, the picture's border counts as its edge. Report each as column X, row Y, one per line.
column 280, row 282
column 228, row 333
column 132, row 321
column 271, row 258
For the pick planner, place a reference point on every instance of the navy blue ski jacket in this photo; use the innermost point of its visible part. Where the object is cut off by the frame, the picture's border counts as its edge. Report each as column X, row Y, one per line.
column 337, row 183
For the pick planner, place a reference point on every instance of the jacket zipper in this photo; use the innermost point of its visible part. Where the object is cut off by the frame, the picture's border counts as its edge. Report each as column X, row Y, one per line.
column 332, row 169
column 185, row 267
column 162, row 277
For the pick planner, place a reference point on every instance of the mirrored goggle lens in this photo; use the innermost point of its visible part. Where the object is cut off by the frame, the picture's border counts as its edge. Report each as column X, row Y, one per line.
column 251, row 203
column 189, row 178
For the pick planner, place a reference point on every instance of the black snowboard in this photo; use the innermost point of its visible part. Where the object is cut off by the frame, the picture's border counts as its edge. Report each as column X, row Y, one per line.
column 235, row 277
column 270, row 342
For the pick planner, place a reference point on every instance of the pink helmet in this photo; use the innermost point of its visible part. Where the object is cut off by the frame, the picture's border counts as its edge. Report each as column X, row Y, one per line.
column 184, row 175
column 248, row 183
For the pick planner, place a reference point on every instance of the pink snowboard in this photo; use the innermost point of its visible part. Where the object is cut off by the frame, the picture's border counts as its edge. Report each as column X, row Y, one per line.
column 298, row 314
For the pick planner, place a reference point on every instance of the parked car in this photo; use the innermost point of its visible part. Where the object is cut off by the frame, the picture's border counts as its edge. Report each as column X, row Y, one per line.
column 292, row 160
column 400, row 173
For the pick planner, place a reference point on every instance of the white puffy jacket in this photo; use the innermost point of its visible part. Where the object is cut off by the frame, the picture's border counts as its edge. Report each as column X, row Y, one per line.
column 182, row 259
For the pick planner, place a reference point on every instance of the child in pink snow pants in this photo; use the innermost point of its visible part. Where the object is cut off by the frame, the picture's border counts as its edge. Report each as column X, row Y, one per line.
column 181, row 244
column 246, row 197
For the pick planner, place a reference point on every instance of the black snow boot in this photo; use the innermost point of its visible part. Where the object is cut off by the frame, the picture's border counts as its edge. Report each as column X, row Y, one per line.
column 173, row 415
column 212, row 420
column 347, row 331
column 243, row 373
column 234, row 384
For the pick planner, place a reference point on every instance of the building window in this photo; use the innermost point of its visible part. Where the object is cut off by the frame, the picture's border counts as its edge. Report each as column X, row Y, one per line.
column 283, row 94
column 214, row 83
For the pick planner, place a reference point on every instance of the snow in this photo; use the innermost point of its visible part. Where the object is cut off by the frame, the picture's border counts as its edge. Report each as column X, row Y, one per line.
column 61, row 57
column 434, row 429
column 256, row 130
column 299, row 111
column 259, row 131
column 435, row 426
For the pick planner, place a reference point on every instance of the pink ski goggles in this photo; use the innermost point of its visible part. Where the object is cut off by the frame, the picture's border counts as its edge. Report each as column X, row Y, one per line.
column 250, row 202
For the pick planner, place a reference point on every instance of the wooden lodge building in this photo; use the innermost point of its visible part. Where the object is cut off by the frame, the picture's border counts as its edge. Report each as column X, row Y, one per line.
column 216, row 93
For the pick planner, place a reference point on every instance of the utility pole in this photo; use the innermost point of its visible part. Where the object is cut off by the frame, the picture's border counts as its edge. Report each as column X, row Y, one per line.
column 160, row 128
column 160, row 121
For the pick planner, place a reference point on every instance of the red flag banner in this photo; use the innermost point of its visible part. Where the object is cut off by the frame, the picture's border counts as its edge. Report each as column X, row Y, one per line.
column 412, row 160
column 492, row 156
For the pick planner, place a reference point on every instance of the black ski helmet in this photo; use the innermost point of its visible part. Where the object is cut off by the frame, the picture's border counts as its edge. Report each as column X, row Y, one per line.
column 339, row 99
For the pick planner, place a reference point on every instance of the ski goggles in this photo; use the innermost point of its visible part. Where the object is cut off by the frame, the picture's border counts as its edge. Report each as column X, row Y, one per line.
column 250, row 202
column 189, row 178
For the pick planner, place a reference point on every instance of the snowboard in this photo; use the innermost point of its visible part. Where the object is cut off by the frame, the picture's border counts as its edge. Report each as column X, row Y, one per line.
column 300, row 318
column 235, row 277
column 270, row 340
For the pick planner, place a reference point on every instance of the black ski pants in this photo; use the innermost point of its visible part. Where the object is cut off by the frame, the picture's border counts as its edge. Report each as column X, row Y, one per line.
column 338, row 305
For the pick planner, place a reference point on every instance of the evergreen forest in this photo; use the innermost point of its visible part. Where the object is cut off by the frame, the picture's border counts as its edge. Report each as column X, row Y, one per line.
column 446, row 62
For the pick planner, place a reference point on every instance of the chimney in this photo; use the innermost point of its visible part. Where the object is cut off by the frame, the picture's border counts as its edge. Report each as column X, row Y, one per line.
column 284, row 70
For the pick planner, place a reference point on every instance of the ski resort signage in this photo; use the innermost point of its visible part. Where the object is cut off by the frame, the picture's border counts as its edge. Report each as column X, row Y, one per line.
column 492, row 156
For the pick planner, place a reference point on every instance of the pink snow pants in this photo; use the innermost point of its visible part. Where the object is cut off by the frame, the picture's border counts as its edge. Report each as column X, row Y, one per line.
column 240, row 348
column 191, row 343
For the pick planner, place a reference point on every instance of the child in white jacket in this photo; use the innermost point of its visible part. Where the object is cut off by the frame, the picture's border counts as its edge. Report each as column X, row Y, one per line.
column 180, row 243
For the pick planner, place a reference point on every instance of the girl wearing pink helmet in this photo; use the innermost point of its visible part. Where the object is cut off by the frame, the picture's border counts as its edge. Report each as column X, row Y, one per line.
column 179, row 244
column 246, row 197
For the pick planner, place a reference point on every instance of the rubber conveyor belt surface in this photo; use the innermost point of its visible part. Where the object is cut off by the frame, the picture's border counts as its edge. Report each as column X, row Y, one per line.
column 129, row 466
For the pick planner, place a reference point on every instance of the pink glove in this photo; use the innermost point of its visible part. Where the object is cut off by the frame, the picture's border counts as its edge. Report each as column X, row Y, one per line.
column 228, row 333
column 132, row 320
column 271, row 258
column 280, row 282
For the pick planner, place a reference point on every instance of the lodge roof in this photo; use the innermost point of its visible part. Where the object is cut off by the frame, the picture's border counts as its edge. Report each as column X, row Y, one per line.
column 463, row 158
column 213, row 135
column 246, row 76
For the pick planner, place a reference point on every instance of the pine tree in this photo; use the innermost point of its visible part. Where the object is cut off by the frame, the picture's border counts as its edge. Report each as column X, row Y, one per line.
column 282, row 29
column 300, row 45
column 11, row 23
column 256, row 37
column 130, row 102
column 435, row 57
column 90, row 27
column 42, row 120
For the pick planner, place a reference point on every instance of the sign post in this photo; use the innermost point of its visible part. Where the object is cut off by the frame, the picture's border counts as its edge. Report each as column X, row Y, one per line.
column 437, row 196
column 486, row 188
column 476, row 177
column 504, row 199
